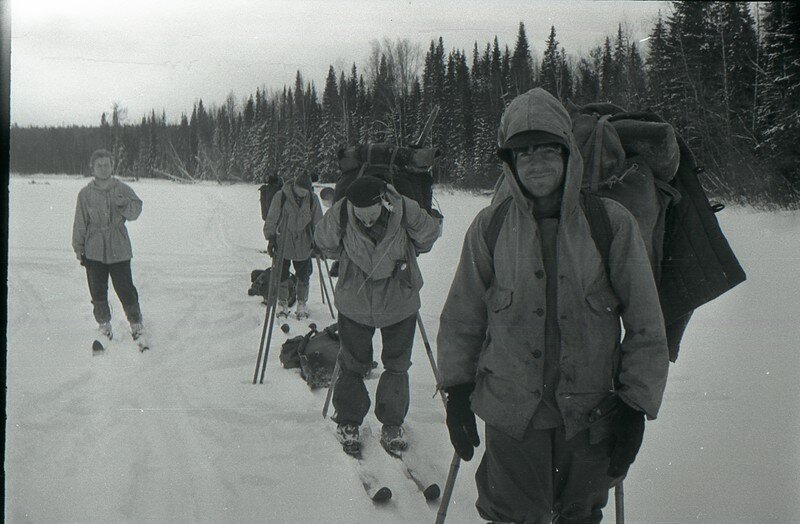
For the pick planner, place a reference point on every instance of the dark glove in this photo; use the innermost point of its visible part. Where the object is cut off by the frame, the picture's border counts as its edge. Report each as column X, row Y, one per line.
column 627, row 431
column 271, row 245
column 461, row 420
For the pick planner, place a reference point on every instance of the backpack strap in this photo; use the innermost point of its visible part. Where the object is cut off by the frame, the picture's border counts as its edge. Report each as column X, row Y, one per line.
column 597, row 153
column 495, row 223
column 600, row 226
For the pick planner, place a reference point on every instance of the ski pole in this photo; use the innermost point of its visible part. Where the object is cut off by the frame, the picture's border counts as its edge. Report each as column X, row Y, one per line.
column 448, row 489
column 274, row 300
column 334, row 376
column 619, row 503
column 455, row 463
column 330, row 278
column 325, row 289
column 267, row 316
column 264, row 330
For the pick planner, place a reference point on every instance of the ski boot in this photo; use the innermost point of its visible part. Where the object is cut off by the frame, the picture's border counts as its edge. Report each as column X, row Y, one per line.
column 302, row 310
column 349, row 439
column 137, row 332
column 393, row 439
column 283, row 309
column 106, row 331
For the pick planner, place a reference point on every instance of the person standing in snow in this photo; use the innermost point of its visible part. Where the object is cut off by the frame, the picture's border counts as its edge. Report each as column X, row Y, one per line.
column 529, row 338
column 101, row 243
column 298, row 208
column 375, row 233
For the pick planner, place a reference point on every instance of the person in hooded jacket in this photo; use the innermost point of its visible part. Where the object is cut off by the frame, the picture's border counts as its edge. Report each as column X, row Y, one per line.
column 293, row 215
column 529, row 338
column 101, row 243
column 375, row 233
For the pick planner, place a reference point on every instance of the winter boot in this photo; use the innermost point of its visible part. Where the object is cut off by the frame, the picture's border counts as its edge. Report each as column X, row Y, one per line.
column 302, row 310
column 138, row 334
column 105, row 330
column 349, row 439
column 283, row 309
column 393, row 439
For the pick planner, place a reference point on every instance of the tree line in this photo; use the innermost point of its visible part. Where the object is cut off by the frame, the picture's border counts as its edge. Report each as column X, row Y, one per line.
column 727, row 77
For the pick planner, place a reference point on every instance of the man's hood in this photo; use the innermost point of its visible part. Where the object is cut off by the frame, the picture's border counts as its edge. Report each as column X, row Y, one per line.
column 538, row 110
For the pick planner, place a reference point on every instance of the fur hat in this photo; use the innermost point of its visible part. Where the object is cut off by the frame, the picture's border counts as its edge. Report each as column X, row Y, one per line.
column 366, row 191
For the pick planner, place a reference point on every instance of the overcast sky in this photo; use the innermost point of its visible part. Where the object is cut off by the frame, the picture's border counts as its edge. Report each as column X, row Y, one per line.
column 71, row 60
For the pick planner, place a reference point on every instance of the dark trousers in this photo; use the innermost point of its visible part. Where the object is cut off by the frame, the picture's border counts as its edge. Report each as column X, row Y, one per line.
column 302, row 272
column 97, row 275
column 543, row 475
column 350, row 396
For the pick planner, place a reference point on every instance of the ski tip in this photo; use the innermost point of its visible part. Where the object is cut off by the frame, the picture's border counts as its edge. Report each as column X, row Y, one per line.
column 97, row 347
column 382, row 495
column 432, row 492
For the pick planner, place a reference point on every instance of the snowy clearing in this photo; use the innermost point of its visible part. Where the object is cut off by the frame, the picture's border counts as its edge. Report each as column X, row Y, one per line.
column 179, row 433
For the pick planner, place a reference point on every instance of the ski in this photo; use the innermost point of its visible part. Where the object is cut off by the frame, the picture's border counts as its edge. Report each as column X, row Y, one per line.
column 97, row 348
column 374, row 488
column 418, row 470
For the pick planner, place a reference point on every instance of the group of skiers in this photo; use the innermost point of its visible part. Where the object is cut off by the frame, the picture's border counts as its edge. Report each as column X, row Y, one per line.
column 529, row 338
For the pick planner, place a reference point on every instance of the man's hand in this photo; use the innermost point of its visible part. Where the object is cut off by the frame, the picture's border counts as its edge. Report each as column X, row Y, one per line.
column 81, row 258
column 271, row 245
column 461, row 420
column 627, row 432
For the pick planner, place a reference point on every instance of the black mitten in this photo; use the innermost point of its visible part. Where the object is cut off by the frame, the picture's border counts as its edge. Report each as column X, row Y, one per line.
column 627, row 432
column 461, row 420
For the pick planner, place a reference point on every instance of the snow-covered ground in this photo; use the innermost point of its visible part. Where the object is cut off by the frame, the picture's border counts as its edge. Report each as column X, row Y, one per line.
column 180, row 434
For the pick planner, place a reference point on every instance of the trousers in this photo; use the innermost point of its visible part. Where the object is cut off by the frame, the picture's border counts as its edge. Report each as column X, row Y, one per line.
column 350, row 396
column 97, row 274
column 543, row 476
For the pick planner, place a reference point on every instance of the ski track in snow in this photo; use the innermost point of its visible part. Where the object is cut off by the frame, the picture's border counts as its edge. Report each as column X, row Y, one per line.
column 179, row 433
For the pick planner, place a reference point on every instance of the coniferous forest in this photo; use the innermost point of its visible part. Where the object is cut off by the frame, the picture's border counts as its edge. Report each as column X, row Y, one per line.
column 727, row 77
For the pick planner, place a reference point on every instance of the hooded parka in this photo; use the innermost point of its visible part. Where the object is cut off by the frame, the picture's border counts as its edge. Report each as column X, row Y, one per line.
column 300, row 215
column 492, row 329
column 379, row 284
column 99, row 231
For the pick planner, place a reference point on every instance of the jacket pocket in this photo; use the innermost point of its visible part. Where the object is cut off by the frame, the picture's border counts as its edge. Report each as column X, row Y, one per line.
column 498, row 298
column 603, row 301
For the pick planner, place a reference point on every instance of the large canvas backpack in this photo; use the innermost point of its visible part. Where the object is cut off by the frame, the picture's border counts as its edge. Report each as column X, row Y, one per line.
column 639, row 160
column 267, row 191
column 314, row 353
column 406, row 168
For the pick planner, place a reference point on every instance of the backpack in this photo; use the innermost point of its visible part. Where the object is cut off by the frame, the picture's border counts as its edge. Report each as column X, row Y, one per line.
column 639, row 160
column 314, row 353
column 267, row 192
column 259, row 285
column 406, row 168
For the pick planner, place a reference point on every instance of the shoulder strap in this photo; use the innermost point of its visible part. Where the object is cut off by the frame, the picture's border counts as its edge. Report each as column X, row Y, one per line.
column 599, row 224
column 496, row 222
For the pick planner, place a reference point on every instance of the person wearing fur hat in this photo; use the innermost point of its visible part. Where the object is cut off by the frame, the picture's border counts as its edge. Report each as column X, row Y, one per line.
column 101, row 243
column 375, row 233
column 529, row 336
column 296, row 207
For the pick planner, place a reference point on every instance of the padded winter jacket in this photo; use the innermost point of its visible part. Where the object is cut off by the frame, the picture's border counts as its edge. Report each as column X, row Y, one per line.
column 301, row 218
column 492, row 326
column 378, row 284
column 99, row 231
